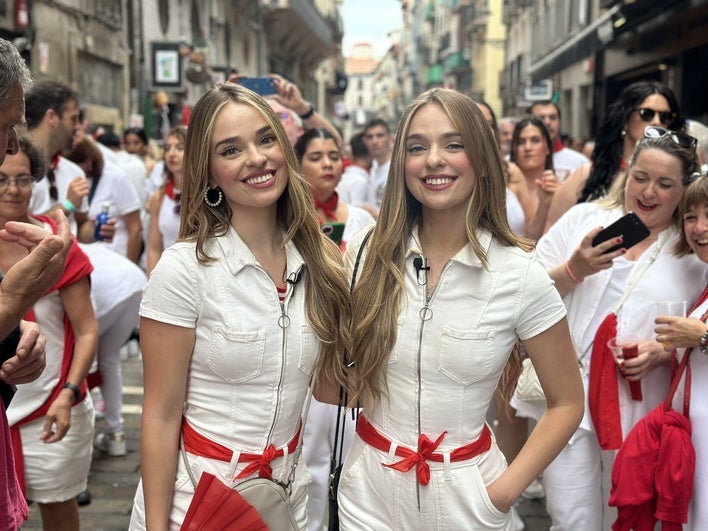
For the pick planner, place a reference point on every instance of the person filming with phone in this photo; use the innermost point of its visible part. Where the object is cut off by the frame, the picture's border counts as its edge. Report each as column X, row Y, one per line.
column 611, row 290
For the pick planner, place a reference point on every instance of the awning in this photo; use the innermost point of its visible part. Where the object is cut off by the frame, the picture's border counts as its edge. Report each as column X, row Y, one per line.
column 591, row 39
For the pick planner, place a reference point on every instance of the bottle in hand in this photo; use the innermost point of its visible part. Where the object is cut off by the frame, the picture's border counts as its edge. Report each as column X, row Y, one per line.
column 101, row 220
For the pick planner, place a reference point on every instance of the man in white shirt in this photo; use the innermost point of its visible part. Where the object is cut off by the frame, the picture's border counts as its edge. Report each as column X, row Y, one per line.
column 377, row 137
column 353, row 188
column 563, row 158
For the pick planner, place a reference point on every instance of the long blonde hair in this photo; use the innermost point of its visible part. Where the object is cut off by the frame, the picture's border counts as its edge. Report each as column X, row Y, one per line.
column 378, row 295
column 326, row 288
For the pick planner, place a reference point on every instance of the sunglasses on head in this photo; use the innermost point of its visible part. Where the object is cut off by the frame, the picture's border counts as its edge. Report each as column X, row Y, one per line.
column 695, row 175
column 647, row 115
column 682, row 139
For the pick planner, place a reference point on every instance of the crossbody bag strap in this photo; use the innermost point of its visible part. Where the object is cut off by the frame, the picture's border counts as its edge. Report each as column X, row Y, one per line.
column 639, row 274
column 338, row 449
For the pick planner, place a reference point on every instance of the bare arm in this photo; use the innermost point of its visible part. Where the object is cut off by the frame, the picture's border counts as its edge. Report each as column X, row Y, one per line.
column 135, row 235
column 567, row 195
column 31, row 277
column 556, row 364
column 76, row 299
column 546, row 188
column 154, row 240
column 167, row 350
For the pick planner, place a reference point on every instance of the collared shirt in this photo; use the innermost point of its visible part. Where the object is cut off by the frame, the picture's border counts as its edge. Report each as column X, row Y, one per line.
column 447, row 366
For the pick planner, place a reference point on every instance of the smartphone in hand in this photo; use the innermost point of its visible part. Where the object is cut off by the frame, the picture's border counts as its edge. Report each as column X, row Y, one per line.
column 260, row 85
column 334, row 231
column 629, row 226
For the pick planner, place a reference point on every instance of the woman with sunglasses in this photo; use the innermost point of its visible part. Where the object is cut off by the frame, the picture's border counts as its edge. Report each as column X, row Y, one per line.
column 164, row 205
column 593, row 280
column 690, row 335
column 640, row 104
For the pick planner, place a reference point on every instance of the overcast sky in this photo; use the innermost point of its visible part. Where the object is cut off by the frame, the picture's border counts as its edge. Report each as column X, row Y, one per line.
column 370, row 21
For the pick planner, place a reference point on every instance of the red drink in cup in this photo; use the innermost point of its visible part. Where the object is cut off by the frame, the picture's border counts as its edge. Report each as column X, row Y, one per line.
column 630, row 351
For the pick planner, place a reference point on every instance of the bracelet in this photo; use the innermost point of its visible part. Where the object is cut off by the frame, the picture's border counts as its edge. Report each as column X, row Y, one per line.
column 74, row 388
column 68, row 205
column 308, row 114
column 571, row 275
column 703, row 343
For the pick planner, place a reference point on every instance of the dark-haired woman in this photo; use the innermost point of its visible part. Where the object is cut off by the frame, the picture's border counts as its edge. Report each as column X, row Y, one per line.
column 135, row 141
column 640, row 104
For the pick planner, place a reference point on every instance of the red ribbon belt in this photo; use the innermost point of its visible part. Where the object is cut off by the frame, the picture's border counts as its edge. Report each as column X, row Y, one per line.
column 195, row 443
column 426, row 449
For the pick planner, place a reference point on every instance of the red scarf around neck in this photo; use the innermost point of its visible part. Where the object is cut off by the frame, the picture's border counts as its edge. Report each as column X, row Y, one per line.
column 328, row 207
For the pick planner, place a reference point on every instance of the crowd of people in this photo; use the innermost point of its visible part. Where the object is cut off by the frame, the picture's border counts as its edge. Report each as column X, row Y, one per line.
column 410, row 271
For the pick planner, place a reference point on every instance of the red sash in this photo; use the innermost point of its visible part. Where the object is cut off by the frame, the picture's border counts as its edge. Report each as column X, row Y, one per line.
column 425, row 452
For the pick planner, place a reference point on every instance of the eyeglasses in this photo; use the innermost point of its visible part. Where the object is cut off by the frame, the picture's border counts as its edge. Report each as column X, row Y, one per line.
column 647, row 115
column 682, row 139
column 23, row 181
column 695, row 175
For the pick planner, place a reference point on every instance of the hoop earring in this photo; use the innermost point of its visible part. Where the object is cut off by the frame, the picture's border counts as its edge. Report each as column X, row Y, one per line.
column 213, row 197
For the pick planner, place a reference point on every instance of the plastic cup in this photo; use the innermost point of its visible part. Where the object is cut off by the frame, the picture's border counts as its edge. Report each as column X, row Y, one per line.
column 562, row 174
column 673, row 308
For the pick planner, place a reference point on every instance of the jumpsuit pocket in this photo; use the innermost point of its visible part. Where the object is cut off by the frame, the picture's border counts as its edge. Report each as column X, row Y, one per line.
column 236, row 356
column 309, row 350
column 466, row 356
column 484, row 493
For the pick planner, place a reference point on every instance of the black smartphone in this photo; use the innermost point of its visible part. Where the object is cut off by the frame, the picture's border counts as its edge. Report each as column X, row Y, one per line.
column 260, row 85
column 334, row 231
column 629, row 226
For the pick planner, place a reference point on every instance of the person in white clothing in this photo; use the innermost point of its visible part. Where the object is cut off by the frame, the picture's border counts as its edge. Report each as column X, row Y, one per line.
column 165, row 202
column 377, row 137
column 321, row 163
column 236, row 315
column 132, row 165
column 444, row 292
column 690, row 336
column 354, row 185
column 594, row 280
column 564, row 159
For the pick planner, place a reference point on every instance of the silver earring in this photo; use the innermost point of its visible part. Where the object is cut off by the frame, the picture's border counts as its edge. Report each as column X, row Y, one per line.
column 213, row 197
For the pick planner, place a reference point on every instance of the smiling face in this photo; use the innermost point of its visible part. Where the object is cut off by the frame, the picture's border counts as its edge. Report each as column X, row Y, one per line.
column 695, row 228
column 322, row 166
column 437, row 171
column 247, row 162
column 14, row 200
column 532, row 149
column 653, row 189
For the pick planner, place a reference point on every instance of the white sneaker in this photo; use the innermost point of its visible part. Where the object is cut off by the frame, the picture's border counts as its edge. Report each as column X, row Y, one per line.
column 112, row 444
column 534, row 491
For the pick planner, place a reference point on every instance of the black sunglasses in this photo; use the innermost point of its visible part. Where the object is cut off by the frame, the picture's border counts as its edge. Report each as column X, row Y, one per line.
column 647, row 115
column 682, row 139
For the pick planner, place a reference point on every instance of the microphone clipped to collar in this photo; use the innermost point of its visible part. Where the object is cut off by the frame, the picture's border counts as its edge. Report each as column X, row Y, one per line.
column 420, row 264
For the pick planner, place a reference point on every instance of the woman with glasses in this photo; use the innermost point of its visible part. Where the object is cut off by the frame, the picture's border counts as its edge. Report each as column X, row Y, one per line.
column 640, row 104
column 613, row 293
column 690, row 336
column 52, row 417
column 164, row 205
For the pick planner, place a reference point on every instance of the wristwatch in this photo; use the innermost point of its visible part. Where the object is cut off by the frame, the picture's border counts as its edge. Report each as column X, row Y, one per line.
column 703, row 343
column 74, row 388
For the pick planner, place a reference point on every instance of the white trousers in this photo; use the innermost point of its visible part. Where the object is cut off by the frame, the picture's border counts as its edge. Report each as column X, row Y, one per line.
column 577, row 485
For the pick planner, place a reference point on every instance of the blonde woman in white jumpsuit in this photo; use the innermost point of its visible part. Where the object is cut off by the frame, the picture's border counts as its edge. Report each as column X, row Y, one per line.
column 235, row 314
column 444, row 292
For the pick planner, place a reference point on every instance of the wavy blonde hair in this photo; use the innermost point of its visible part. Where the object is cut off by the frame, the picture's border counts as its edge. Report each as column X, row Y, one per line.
column 326, row 288
column 377, row 297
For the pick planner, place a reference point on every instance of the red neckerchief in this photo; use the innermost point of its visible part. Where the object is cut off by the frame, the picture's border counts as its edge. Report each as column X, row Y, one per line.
column 55, row 161
column 328, row 207
column 700, row 300
column 557, row 145
column 170, row 191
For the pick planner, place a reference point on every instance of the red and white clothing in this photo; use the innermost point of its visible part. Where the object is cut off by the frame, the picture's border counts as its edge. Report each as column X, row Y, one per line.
column 245, row 390
column 168, row 219
column 444, row 370
column 58, row 471
column 698, row 415
column 577, row 482
column 566, row 158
